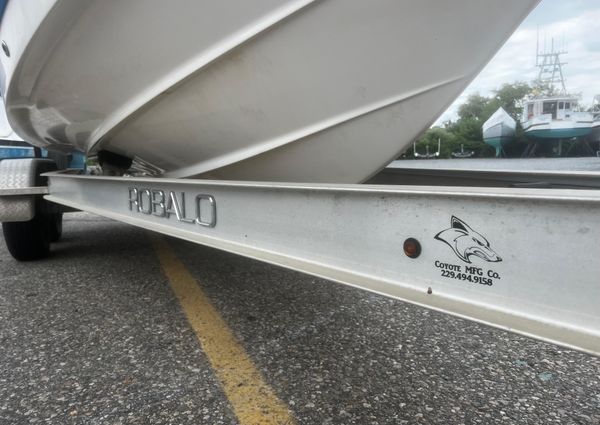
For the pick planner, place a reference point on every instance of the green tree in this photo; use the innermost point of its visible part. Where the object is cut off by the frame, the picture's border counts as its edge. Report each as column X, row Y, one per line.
column 466, row 130
column 510, row 97
column 473, row 108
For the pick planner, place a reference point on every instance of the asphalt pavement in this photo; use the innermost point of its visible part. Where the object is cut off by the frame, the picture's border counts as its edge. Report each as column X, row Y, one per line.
column 95, row 335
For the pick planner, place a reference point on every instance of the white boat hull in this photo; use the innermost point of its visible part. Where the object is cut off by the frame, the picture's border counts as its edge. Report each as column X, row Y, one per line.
column 546, row 128
column 499, row 130
column 324, row 91
column 6, row 131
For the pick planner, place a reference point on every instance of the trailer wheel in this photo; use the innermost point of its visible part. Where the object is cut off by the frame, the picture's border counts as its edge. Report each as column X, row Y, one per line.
column 27, row 240
column 55, row 225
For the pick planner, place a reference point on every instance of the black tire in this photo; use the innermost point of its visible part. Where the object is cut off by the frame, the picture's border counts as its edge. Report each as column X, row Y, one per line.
column 30, row 240
column 27, row 240
column 55, row 225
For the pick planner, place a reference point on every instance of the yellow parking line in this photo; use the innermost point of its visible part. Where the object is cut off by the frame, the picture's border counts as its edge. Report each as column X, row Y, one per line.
column 253, row 401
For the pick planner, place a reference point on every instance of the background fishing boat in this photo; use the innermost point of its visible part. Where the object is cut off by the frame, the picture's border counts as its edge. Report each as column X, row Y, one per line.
column 555, row 118
column 552, row 115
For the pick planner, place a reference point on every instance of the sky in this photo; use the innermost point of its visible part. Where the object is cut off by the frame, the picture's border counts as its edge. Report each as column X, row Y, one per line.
column 577, row 22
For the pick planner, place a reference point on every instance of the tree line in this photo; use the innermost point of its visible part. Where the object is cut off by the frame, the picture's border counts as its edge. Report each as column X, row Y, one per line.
column 466, row 130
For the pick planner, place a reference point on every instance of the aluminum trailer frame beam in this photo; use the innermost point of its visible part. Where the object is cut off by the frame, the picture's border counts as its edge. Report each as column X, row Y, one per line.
column 525, row 260
column 488, row 178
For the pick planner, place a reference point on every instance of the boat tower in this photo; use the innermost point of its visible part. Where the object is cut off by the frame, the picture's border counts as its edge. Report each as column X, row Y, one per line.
column 550, row 68
column 552, row 120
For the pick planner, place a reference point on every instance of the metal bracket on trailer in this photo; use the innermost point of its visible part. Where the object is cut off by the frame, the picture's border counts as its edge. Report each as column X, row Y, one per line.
column 525, row 260
column 18, row 187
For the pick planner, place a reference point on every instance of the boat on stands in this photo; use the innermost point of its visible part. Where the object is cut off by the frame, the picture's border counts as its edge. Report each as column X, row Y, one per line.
column 555, row 117
column 499, row 130
column 552, row 114
column 297, row 90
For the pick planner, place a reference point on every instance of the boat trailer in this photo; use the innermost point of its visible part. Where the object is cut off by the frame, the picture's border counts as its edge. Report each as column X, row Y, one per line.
column 518, row 251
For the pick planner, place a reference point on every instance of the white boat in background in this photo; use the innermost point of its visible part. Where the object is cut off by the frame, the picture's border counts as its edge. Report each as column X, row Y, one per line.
column 499, row 130
column 553, row 114
column 555, row 117
column 298, row 90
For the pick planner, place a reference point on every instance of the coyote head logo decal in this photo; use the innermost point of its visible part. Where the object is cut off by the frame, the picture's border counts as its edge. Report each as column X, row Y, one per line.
column 467, row 242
